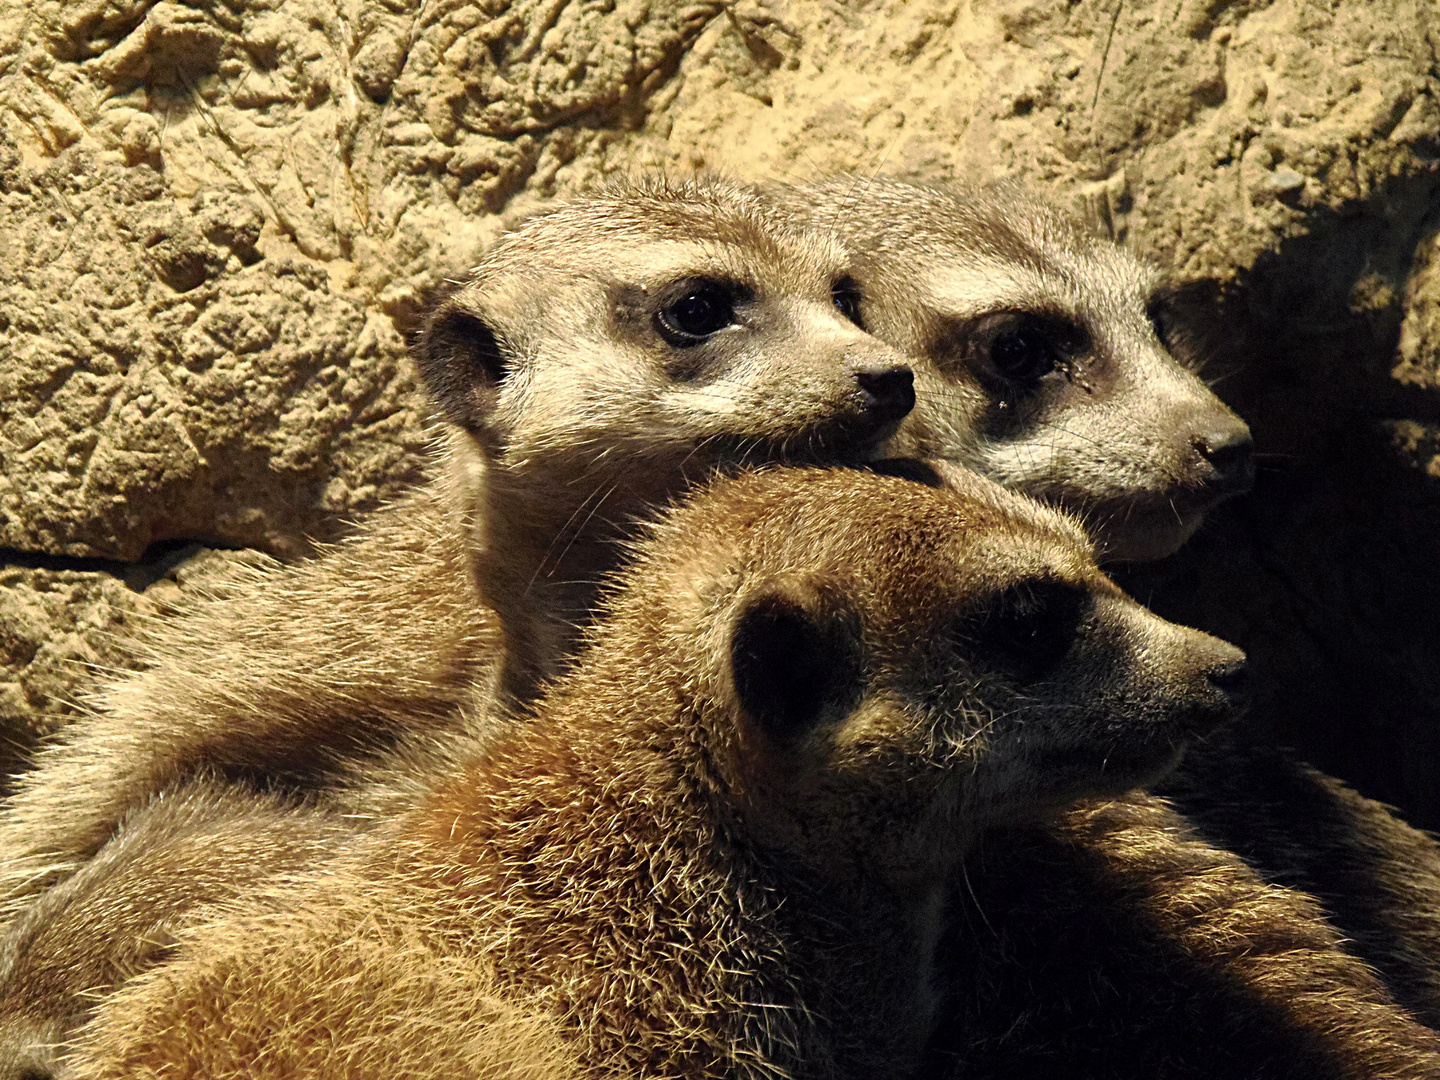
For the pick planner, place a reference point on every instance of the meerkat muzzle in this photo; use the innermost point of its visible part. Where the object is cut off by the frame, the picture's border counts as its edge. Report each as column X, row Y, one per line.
column 890, row 391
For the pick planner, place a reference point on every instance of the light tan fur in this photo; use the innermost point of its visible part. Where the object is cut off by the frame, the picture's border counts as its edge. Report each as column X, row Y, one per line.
column 724, row 845
column 1117, row 430
column 210, row 841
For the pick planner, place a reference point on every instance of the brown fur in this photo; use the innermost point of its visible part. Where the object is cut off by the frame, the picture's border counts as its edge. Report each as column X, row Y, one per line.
column 208, row 842
column 1117, row 944
column 723, row 848
column 331, row 991
column 1378, row 879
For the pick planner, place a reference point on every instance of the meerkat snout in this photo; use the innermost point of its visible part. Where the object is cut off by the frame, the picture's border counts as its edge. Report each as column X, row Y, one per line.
column 889, row 390
column 1212, row 674
column 1154, row 687
column 1230, row 452
column 1232, row 680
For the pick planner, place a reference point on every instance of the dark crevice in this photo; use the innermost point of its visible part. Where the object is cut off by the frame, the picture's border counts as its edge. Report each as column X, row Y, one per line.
column 157, row 561
column 1326, row 573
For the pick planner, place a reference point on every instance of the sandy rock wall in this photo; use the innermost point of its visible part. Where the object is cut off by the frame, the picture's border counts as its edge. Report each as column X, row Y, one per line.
column 217, row 219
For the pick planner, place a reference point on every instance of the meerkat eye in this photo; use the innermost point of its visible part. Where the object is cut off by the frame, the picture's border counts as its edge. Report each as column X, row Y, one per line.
column 1029, row 628
column 703, row 309
column 847, row 296
column 1029, row 347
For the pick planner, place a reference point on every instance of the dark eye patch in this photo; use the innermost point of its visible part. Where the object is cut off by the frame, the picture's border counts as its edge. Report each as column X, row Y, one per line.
column 1027, row 629
column 848, row 297
column 1023, row 347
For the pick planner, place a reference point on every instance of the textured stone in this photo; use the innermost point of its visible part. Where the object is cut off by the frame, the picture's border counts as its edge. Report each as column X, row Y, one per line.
column 216, row 222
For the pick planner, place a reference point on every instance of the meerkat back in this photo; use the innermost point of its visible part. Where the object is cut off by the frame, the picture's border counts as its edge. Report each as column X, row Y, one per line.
column 717, row 848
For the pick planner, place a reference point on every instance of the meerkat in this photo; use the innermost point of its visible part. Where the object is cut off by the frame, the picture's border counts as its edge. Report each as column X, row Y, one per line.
column 599, row 360
column 1042, row 355
column 1045, row 358
column 723, row 844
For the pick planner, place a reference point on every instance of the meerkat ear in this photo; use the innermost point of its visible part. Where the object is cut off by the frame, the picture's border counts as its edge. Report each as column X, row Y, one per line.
column 1175, row 313
column 463, row 362
column 795, row 661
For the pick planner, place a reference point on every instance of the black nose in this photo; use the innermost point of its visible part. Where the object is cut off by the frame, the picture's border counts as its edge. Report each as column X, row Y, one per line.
column 889, row 391
column 1231, row 453
column 1232, row 680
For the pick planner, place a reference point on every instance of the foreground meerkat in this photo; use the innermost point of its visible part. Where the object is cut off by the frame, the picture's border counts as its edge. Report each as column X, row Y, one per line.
column 723, row 846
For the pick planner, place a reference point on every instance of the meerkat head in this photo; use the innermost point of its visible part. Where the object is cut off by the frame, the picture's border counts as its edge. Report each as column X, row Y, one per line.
column 680, row 322
column 611, row 353
column 889, row 667
column 1041, row 357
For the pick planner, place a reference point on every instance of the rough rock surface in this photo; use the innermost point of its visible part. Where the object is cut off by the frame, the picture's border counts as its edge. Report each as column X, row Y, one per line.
column 217, row 218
